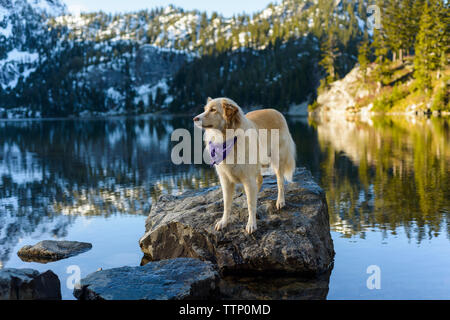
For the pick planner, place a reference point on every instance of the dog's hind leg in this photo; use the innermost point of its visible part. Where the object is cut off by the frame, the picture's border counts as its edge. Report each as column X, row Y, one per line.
column 259, row 181
column 285, row 168
column 228, row 192
column 251, row 191
column 280, row 183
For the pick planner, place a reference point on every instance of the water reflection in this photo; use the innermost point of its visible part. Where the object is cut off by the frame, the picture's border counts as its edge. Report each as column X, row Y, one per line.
column 267, row 288
column 379, row 174
column 384, row 173
column 53, row 171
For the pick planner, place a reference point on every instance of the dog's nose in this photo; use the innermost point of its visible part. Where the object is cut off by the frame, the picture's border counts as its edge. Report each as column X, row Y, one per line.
column 196, row 119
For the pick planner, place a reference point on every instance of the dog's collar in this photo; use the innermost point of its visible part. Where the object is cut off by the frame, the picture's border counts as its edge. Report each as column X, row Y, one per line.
column 219, row 151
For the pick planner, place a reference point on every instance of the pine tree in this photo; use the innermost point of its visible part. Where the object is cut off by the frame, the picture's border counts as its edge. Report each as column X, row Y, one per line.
column 400, row 23
column 414, row 21
column 329, row 54
column 364, row 55
column 381, row 50
column 442, row 28
column 428, row 48
column 130, row 94
column 392, row 17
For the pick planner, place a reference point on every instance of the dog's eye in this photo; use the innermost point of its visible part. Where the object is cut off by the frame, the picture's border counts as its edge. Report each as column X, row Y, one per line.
column 213, row 110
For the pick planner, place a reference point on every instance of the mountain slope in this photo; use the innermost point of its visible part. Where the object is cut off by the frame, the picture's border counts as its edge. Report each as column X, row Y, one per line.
column 174, row 28
column 359, row 94
column 97, row 63
column 23, row 34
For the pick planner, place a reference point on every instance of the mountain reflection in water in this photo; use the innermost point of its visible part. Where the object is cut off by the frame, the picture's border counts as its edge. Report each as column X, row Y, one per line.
column 389, row 175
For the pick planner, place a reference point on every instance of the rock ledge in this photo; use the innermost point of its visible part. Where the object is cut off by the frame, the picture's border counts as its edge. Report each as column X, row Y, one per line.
column 294, row 240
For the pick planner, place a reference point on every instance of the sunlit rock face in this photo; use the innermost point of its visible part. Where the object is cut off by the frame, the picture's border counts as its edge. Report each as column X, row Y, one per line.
column 342, row 94
column 294, row 240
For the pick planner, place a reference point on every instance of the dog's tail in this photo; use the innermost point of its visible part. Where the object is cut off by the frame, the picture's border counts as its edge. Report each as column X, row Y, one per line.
column 289, row 161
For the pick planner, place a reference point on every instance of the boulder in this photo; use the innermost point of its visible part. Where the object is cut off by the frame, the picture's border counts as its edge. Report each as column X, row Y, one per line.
column 50, row 250
column 295, row 239
column 175, row 279
column 29, row 284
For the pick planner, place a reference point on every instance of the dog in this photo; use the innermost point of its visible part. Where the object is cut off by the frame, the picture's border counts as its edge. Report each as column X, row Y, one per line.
column 223, row 115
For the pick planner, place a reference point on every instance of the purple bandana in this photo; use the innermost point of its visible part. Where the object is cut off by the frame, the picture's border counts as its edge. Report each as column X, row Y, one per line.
column 219, row 151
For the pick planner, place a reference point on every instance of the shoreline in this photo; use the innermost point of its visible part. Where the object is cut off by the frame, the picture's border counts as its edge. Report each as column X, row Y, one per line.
column 99, row 117
column 172, row 115
column 417, row 114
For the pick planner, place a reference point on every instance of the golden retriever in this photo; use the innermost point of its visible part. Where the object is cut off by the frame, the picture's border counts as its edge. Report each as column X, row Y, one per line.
column 222, row 116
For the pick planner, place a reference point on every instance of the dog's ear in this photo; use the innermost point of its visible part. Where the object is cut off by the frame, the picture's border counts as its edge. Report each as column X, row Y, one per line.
column 230, row 113
column 209, row 100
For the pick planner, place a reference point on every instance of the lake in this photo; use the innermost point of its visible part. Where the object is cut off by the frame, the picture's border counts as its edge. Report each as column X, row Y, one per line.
column 387, row 182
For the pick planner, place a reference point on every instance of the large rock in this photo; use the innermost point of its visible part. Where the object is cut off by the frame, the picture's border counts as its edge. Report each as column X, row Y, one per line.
column 176, row 279
column 50, row 250
column 342, row 95
column 295, row 240
column 29, row 284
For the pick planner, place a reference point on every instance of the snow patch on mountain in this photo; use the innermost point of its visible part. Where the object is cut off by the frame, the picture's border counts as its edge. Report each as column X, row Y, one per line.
column 147, row 92
column 6, row 31
column 20, row 56
column 3, row 12
column 17, row 64
column 23, row 23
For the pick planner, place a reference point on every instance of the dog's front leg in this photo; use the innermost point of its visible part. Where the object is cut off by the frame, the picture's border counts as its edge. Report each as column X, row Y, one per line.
column 228, row 192
column 280, row 182
column 251, row 190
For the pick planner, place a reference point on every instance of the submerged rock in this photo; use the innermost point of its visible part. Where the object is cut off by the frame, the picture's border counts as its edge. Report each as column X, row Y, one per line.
column 29, row 284
column 294, row 240
column 175, row 279
column 50, row 250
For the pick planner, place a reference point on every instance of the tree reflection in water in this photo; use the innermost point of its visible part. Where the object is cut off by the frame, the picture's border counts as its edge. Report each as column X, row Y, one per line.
column 382, row 173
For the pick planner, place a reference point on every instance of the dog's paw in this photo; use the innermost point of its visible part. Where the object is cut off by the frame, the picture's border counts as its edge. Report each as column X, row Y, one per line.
column 221, row 224
column 280, row 204
column 251, row 227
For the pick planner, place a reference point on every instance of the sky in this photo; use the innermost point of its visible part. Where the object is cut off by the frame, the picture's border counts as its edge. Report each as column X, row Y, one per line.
column 225, row 7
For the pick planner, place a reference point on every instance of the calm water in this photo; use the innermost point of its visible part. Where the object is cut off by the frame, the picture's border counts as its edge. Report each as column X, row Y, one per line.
column 387, row 184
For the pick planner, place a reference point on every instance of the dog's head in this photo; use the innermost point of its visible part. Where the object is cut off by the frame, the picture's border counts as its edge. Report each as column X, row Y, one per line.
column 220, row 114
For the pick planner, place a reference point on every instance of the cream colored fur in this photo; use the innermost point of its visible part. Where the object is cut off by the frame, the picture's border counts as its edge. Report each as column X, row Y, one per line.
column 222, row 114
